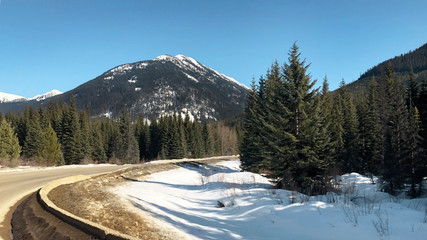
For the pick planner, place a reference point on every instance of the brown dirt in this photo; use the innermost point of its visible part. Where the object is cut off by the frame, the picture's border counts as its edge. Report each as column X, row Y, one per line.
column 92, row 200
column 30, row 221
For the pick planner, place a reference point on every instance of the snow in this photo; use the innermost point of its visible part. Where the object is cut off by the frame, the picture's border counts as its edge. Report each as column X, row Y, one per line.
column 133, row 79
column 163, row 58
column 186, row 200
column 191, row 77
column 108, row 114
column 7, row 97
column 231, row 79
column 52, row 93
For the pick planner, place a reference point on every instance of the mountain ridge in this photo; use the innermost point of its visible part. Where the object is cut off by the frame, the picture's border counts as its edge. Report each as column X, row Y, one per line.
column 154, row 88
column 402, row 64
column 8, row 97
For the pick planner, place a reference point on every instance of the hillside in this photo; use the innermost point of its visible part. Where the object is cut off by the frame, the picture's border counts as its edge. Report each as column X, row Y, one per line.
column 156, row 87
column 417, row 60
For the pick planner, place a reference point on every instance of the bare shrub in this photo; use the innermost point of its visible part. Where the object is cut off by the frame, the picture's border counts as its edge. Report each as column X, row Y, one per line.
column 381, row 224
column 351, row 215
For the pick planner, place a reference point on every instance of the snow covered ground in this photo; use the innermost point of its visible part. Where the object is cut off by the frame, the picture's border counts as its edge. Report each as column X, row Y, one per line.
column 187, row 200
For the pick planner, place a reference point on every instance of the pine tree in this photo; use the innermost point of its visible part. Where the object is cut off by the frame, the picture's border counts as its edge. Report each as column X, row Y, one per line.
column 175, row 144
column 142, row 135
column 351, row 157
column 189, row 135
column 96, row 142
column 207, row 140
column 70, row 135
column 326, row 147
column 129, row 152
column 49, row 151
column 155, row 139
column 373, row 129
column 198, row 139
column 9, row 144
column 85, row 133
column 396, row 136
column 415, row 165
column 34, row 135
column 251, row 155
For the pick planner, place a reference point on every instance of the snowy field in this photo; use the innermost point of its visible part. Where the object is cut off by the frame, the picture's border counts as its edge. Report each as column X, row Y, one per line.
column 187, row 200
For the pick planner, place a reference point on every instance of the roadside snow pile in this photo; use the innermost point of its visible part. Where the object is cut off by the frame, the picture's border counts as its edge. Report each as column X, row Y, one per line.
column 220, row 202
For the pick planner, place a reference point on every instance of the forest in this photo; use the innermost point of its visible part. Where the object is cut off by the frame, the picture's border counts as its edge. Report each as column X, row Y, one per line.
column 60, row 134
column 301, row 137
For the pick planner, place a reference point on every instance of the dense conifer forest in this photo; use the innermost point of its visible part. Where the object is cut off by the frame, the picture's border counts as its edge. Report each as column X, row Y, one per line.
column 60, row 134
column 302, row 137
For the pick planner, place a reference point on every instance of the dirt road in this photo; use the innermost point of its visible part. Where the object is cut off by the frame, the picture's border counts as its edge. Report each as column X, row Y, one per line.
column 15, row 185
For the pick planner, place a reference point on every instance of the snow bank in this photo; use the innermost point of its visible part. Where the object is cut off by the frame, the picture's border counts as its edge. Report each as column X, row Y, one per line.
column 187, row 200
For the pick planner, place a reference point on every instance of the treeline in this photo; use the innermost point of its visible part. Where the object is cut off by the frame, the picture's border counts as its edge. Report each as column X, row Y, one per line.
column 60, row 134
column 301, row 136
column 415, row 60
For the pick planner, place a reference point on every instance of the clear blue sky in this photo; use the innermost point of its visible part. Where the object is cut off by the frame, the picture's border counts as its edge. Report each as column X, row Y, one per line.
column 60, row 44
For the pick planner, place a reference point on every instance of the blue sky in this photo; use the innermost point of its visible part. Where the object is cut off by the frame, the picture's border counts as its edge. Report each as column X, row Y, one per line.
column 60, row 44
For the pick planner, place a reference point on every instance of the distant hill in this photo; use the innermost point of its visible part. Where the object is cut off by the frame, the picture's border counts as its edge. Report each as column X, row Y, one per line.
column 417, row 60
column 156, row 87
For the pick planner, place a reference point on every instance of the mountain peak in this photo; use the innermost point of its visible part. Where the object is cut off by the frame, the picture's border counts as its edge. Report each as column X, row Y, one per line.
column 52, row 93
column 7, row 97
column 163, row 57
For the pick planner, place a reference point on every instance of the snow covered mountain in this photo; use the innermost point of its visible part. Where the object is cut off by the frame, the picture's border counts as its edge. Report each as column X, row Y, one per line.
column 158, row 87
column 6, row 97
column 52, row 93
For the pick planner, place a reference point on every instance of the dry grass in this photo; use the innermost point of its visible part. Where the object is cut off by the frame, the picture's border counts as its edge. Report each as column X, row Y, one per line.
column 90, row 199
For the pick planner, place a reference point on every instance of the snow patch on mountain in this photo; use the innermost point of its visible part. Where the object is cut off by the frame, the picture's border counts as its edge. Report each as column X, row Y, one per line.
column 163, row 58
column 191, row 77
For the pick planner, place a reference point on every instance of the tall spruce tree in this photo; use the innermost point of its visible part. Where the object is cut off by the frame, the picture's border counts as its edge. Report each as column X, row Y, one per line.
column 142, row 135
column 129, row 152
column 70, row 135
column 9, row 144
column 49, row 151
column 373, row 131
column 251, row 155
column 351, row 157
column 396, row 134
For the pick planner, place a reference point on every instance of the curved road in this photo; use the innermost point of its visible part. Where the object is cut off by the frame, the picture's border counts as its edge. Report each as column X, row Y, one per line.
column 15, row 185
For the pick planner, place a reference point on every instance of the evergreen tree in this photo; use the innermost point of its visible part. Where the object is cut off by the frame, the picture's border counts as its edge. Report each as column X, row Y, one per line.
column 34, row 135
column 327, row 146
column 351, row 157
column 207, row 140
column 9, row 144
column 129, row 152
column 96, row 142
column 85, row 133
column 396, row 134
column 198, row 139
column 155, row 140
column 373, row 131
column 415, row 166
column 70, row 135
column 189, row 135
column 251, row 154
column 175, row 144
column 142, row 135
column 50, row 149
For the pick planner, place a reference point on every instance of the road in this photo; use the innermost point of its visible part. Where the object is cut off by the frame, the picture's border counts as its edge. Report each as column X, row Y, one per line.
column 15, row 185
